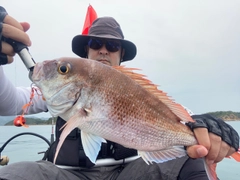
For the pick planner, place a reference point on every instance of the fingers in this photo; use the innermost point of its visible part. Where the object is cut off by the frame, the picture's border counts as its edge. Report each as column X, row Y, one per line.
column 202, row 137
column 215, row 148
column 11, row 28
column 7, row 49
column 200, row 150
column 197, row 151
column 210, row 145
column 6, row 57
column 225, row 150
column 25, row 26
column 14, row 30
column 16, row 34
column 219, row 149
column 11, row 21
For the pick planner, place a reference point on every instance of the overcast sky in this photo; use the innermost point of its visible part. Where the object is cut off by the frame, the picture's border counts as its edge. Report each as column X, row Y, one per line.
column 189, row 48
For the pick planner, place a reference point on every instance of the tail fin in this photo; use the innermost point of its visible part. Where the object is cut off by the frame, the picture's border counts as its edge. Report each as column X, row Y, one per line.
column 236, row 156
column 211, row 171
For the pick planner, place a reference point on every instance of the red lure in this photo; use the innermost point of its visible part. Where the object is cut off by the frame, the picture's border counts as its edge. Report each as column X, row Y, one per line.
column 20, row 120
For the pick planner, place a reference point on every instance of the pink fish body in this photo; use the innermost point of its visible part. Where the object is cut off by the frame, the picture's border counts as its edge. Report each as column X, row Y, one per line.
column 116, row 104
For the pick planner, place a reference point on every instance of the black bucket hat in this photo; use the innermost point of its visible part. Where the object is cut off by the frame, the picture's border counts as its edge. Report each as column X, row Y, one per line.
column 108, row 28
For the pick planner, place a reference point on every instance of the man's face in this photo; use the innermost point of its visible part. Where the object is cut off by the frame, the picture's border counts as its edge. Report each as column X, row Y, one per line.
column 105, row 51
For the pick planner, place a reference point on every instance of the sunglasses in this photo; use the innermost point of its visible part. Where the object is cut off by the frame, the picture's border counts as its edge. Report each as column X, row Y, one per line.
column 111, row 45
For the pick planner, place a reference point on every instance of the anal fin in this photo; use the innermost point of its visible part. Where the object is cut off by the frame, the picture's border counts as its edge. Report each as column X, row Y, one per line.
column 163, row 155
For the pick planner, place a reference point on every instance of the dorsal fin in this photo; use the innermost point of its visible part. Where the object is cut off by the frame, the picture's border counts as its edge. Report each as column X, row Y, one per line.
column 152, row 88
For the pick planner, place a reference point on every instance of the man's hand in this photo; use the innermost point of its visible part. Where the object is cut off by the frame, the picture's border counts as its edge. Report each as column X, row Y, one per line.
column 11, row 28
column 216, row 139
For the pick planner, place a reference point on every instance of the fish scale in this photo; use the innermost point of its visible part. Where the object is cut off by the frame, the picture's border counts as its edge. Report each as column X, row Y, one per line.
column 121, row 116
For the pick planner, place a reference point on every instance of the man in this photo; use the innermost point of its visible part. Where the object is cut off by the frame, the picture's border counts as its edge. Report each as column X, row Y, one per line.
column 105, row 43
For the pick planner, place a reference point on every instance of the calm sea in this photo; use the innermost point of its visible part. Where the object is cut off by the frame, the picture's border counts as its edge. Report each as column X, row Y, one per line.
column 27, row 147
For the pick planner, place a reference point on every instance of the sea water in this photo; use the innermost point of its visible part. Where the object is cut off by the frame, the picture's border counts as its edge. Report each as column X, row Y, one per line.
column 24, row 147
column 27, row 148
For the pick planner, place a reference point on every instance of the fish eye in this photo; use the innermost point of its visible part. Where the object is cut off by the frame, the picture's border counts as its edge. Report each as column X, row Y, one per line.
column 64, row 68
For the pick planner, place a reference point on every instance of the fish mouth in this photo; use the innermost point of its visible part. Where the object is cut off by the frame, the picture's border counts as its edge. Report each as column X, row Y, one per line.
column 30, row 75
column 36, row 74
column 43, row 70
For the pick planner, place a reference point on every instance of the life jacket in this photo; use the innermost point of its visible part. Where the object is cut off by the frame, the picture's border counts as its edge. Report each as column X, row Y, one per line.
column 72, row 153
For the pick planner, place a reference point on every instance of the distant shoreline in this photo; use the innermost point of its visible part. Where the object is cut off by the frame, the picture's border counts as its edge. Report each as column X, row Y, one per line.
column 228, row 116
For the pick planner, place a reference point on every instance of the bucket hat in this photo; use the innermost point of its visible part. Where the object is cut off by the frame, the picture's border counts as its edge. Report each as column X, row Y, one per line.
column 107, row 28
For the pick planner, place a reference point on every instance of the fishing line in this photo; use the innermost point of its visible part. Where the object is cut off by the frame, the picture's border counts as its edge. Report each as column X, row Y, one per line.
column 15, row 81
column 19, row 120
column 15, row 84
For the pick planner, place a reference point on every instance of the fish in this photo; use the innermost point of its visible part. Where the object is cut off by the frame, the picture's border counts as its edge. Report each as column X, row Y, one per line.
column 114, row 103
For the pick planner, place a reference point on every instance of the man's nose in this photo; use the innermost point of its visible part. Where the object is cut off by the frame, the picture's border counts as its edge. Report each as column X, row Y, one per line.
column 103, row 50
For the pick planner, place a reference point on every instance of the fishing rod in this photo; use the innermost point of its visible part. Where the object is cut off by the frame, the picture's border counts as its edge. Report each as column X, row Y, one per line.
column 4, row 159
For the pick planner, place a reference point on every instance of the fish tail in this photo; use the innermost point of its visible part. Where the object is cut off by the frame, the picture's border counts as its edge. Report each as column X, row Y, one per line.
column 236, row 155
column 211, row 170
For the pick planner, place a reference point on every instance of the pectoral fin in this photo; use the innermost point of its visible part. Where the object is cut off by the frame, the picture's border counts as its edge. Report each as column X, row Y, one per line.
column 91, row 145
